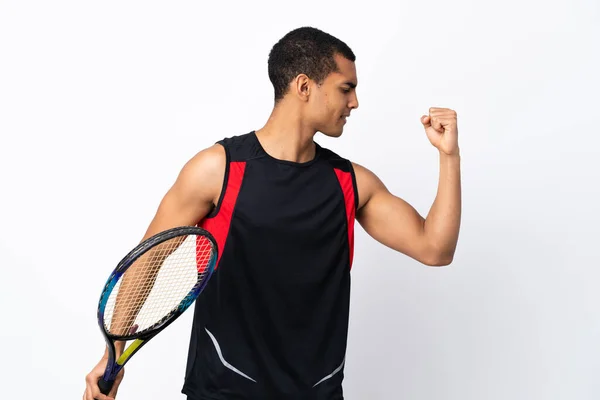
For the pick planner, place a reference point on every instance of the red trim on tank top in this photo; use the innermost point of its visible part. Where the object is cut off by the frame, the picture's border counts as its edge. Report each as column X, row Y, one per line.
column 345, row 179
column 219, row 224
column 203, row 252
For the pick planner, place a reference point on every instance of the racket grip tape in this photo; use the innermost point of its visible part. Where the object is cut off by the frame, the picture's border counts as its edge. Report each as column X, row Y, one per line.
column 105, row 386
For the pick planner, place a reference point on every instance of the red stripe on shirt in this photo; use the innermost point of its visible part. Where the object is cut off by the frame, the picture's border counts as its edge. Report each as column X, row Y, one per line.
column 219, row 225
column 345, row 180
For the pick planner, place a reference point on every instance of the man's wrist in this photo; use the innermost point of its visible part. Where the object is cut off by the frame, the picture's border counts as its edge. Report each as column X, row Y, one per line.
column 454, row 155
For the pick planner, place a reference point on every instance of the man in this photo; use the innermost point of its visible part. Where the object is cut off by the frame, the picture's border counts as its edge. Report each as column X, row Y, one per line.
column 272, row 322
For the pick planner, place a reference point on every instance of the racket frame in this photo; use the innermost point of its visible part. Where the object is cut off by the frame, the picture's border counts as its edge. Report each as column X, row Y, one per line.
column 114, row 365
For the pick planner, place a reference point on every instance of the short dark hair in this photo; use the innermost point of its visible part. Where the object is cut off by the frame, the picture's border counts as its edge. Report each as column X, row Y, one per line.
column 307, row 51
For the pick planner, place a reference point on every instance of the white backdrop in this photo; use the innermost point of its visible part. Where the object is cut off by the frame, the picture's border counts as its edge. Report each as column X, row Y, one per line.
column 101, row 104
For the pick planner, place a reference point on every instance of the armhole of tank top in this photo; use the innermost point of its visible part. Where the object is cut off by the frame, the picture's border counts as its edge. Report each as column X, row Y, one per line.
column 216, row 209
column 354, row 186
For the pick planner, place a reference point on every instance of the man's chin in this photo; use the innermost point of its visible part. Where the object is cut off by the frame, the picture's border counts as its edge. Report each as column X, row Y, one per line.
column 333, row 133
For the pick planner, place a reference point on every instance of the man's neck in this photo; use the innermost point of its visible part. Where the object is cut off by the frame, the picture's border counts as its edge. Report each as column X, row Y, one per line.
column 286, row 136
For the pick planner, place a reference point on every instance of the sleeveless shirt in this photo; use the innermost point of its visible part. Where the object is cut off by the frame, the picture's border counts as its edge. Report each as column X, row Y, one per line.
column 272, row 321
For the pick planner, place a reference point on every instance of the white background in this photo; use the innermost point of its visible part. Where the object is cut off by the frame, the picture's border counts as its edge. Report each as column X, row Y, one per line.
column 102, row 103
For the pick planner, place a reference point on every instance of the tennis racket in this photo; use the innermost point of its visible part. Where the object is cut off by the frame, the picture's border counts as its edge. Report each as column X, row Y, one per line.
column 150, row 288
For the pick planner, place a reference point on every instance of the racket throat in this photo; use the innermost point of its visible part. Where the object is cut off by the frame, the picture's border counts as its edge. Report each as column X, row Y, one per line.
column 133, row 347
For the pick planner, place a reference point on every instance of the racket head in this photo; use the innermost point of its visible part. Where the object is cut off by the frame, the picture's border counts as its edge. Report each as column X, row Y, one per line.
column 163, row 276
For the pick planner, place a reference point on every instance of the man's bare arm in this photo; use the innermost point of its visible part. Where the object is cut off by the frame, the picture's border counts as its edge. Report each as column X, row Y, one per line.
column 192, row 196
column 190, row 199
column 395, row 223
column 195, row 191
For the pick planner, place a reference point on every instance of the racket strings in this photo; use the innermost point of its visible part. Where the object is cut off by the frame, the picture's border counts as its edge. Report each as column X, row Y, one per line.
column 156, row 283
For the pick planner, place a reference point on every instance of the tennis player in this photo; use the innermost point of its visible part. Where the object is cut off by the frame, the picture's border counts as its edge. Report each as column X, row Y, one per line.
column 272, row 322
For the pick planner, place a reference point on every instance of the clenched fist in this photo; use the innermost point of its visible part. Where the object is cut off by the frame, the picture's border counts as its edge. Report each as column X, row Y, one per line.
column 441, row 129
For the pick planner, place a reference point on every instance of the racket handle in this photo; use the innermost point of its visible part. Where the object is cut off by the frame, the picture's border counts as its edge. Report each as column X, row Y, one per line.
column 105, row 386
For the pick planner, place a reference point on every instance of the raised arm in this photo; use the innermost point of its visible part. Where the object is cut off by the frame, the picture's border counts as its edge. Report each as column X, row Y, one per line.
column 396, row 224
